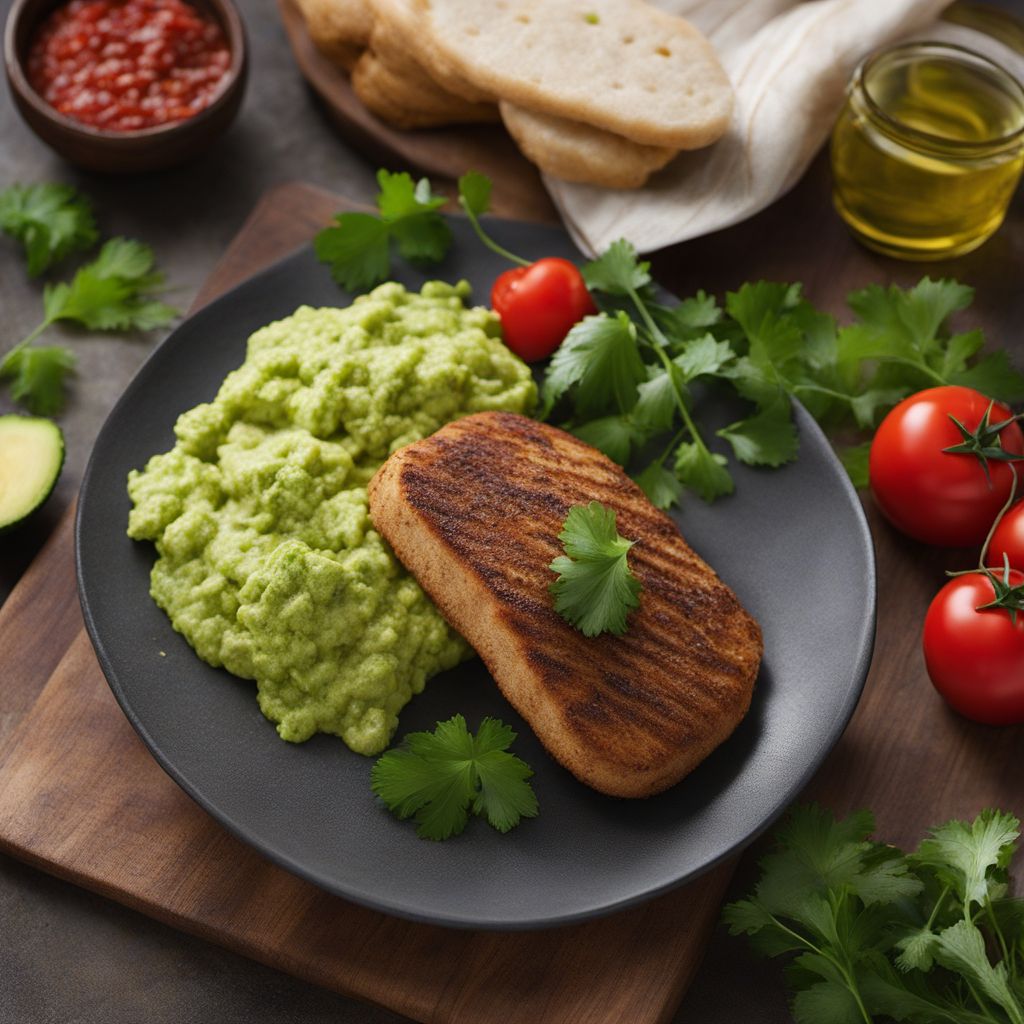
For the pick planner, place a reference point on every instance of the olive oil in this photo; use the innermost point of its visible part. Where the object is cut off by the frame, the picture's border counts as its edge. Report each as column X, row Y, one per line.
column 928, row 150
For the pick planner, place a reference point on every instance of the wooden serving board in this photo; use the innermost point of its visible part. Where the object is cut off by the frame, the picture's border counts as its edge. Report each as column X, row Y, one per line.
column 81, row 797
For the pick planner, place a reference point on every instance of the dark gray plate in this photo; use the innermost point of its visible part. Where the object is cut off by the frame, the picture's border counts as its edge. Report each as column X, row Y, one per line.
column 793, row 543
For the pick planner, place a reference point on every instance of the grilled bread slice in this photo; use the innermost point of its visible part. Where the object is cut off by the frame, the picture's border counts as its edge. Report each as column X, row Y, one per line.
column 474, row 512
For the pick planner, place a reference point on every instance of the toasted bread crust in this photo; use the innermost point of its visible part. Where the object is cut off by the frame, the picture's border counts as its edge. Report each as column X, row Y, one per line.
column 474, row 512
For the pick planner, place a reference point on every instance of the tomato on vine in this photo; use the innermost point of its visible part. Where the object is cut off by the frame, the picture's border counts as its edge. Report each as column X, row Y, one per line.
column 939, row 465
column 974, row 645
column 538, row 302
column 1007, row 542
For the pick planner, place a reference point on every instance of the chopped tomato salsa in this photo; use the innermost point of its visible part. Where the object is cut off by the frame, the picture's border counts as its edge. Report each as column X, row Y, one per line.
column 123, row 65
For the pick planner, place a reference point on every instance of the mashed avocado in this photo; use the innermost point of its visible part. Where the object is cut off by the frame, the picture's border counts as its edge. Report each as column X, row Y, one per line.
column 268, row 563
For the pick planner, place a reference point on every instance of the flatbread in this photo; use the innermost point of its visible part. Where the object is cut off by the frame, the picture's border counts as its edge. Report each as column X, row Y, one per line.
column 409, row 99
column 574, row 151
column 340, row 29
column 620, row 65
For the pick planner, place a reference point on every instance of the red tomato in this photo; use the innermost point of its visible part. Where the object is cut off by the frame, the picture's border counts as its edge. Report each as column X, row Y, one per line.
column 1009, row 536
column 538, row 305
column 935, row 496
column 976, row 659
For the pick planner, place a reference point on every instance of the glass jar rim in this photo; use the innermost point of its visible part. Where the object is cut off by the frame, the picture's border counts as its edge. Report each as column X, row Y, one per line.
column 951, row 51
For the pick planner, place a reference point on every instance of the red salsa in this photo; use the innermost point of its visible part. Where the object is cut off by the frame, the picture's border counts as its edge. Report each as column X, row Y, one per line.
column 122, row 65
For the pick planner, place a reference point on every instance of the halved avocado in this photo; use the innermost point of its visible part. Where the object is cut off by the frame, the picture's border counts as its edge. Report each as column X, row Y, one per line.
column 31, row 458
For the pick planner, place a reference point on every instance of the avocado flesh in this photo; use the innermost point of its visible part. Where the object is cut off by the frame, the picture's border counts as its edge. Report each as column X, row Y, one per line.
column 31, row 458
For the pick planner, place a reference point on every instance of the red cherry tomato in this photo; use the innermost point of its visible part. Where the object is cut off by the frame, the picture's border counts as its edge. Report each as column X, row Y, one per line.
column 1009, row 536
column 976, row 659
column 538, row 305
column 935, row 496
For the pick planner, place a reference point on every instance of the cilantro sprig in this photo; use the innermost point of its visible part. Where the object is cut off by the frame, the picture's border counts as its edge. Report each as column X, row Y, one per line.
column 358, row 248
column 114, row 292
column 50, row 220
column 623, row 380
column 873, row 934
column 595, row 589
column 441, row 777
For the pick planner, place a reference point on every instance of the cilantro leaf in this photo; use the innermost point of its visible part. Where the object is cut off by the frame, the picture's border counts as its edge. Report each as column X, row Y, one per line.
column 917, row 950
column 702, row 471
column 358, row 248
column 760, row 309
column 421, row 238
column 768, row 438
column 38, row 376
column 441, row 777
column 959, row 350
column 126, row 260
column 961, row 948
column 877, row 938
column 696, row 313
column 703, row 356
column 618, row 270
column 505, row 796
column 475, row 192
column 994, row 377
column 616, row 436
column 595, row 588
column 400, row 196
column 827, row 1002
column 110, row 293
column 50, row 220
column 655, row 408
column 600, row 356
column 867, row 406
column 662, row 487
column 963, row 854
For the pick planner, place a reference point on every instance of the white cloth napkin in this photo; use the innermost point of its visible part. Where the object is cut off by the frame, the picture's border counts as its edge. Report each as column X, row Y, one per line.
column 789, row 64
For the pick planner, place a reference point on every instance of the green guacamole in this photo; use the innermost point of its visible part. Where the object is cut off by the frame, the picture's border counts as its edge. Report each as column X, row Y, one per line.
column 268, row 562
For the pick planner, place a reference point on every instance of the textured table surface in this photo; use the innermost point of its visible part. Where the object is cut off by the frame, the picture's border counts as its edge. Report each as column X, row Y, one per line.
column 70, row 956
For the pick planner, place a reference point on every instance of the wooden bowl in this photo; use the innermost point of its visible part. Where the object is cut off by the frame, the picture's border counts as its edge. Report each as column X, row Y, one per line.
column 123, row 152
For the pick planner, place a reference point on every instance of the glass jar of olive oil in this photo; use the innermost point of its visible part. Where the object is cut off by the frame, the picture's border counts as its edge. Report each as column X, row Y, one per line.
column 928, row 150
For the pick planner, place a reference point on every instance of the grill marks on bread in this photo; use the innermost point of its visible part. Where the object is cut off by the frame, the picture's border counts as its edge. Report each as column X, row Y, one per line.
column 475, row 511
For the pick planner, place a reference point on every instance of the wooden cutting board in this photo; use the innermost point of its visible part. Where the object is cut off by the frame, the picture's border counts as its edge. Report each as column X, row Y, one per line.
column 81, row 797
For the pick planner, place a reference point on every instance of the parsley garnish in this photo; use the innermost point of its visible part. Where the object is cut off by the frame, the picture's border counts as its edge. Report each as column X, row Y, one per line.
column 441, row 777
column 359, row 248
column 112, row 293
column 51, row 221
column 622, row 380
column 929, row 937
column 595, row 588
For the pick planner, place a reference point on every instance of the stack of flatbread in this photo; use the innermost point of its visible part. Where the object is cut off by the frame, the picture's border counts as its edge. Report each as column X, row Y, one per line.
column 604, row 92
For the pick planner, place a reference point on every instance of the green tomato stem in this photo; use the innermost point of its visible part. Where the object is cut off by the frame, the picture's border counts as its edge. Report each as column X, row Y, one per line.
column 999, row 518
column 487, row 240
